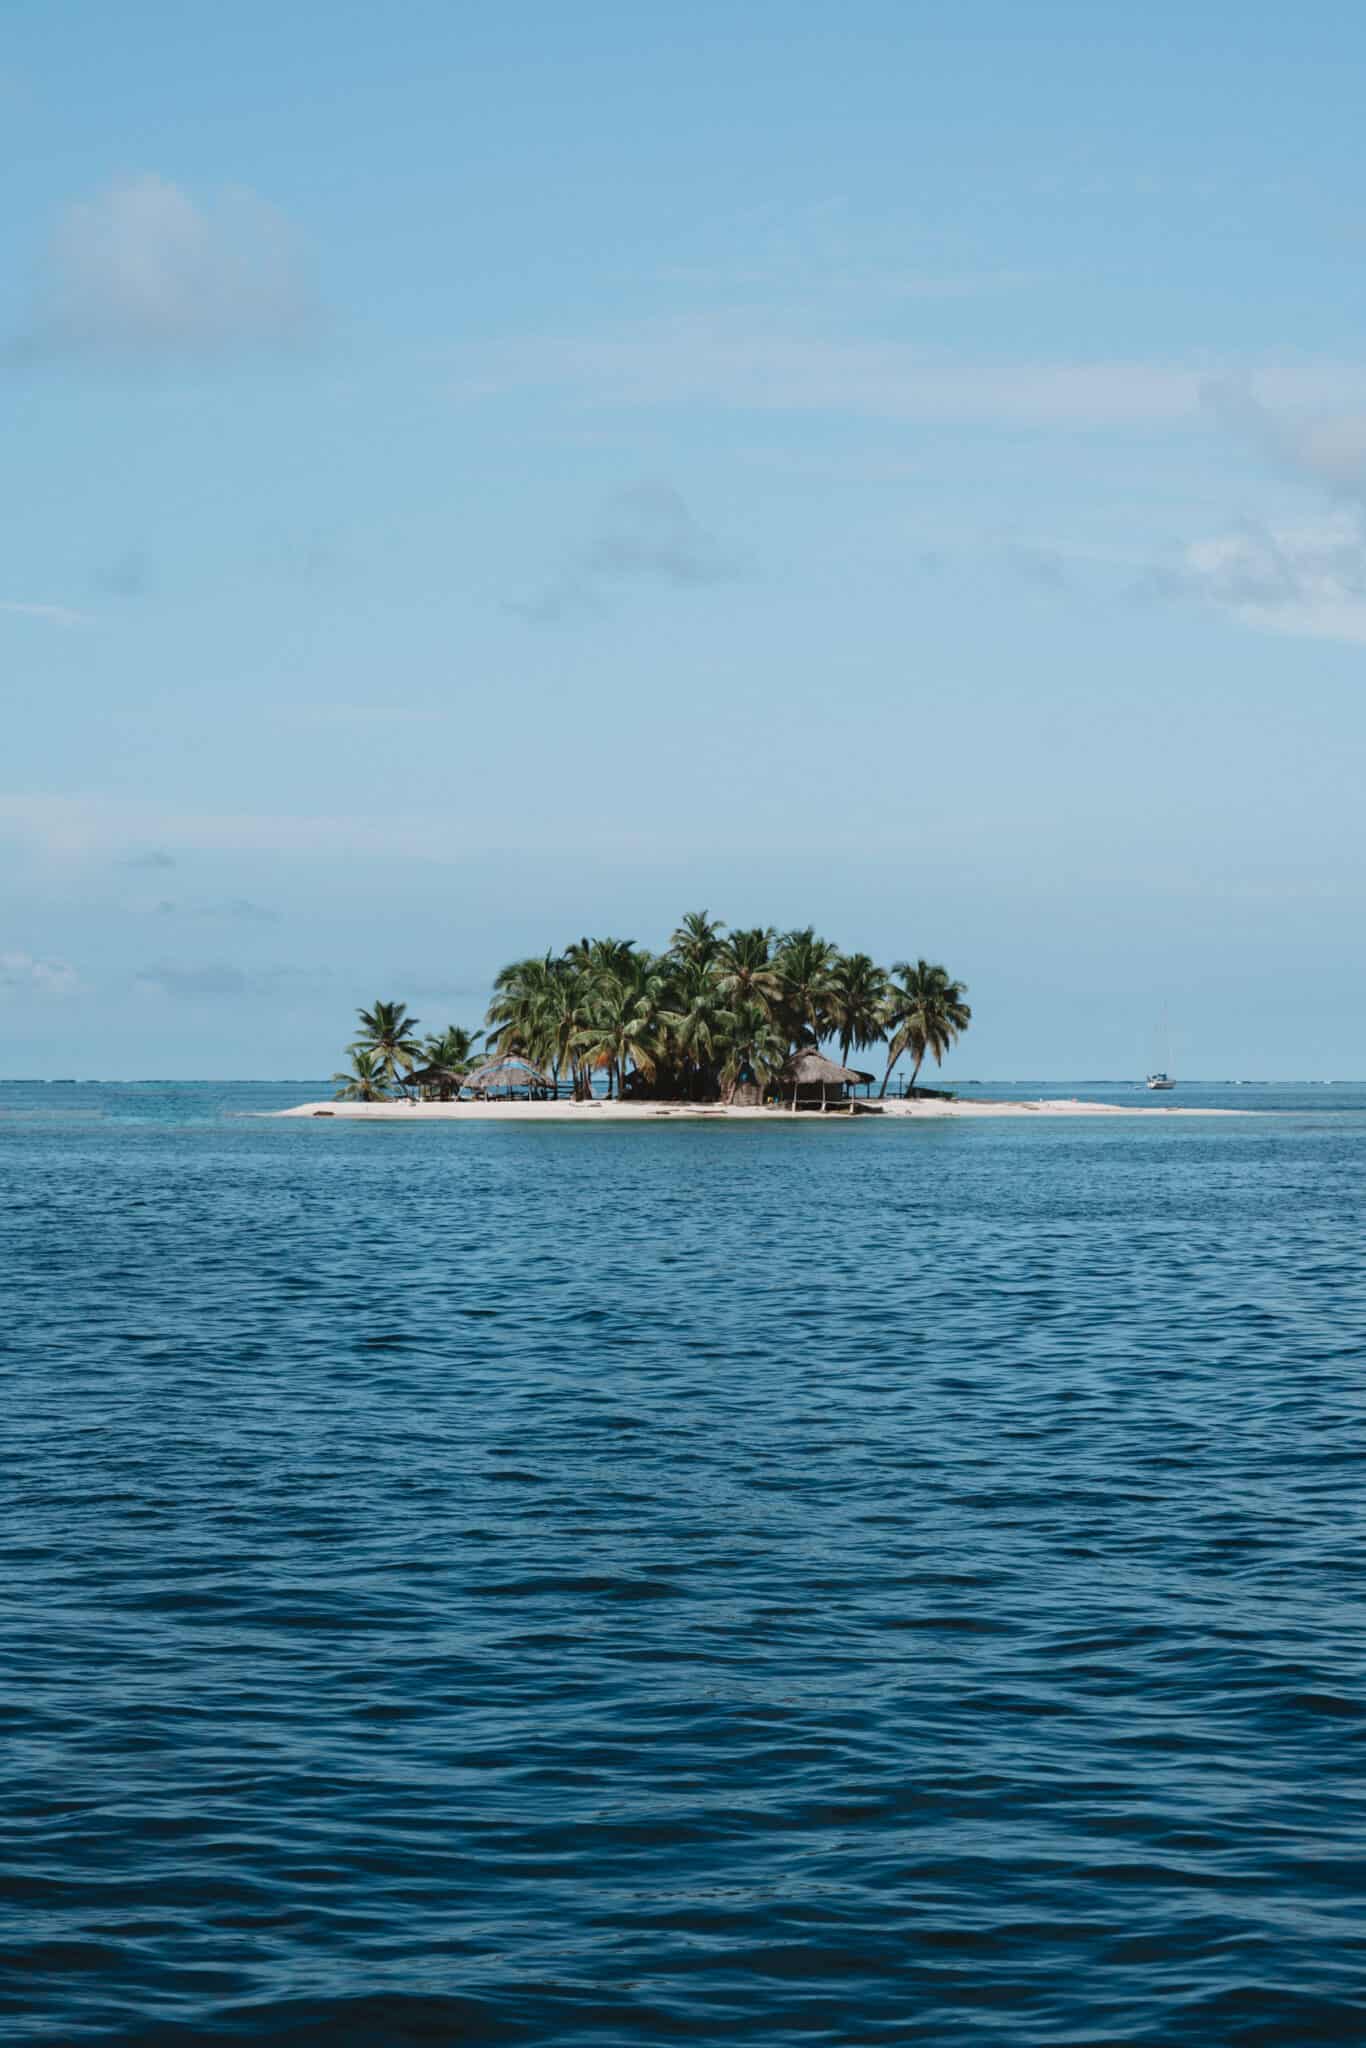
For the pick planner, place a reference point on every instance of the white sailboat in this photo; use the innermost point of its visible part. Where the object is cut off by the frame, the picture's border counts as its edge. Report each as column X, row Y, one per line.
column 1160, row 1077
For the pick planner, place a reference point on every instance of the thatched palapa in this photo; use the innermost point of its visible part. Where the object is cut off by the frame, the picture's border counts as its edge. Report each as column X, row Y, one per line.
column 508, row 1075
column 443, row 1083
column 811, row 1081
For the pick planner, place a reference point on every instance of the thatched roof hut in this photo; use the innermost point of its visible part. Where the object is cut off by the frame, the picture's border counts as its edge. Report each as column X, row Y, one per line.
column 809, row 1080
column 443, row 1082
column 507, row 1076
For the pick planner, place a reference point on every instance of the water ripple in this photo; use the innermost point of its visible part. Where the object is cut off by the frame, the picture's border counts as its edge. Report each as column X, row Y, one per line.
column 820, row 1586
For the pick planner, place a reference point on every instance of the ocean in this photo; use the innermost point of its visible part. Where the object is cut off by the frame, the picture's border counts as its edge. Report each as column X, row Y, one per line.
column 811, row 1583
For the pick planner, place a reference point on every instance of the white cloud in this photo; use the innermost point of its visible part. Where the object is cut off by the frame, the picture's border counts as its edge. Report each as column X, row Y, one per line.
column 1298, row 577
column 23, row 974
column 1308, row 580
column 1326, row 448
column 142, row 268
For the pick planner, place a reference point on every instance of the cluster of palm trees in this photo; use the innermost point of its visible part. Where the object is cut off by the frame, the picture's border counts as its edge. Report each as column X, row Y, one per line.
column 387, row 1049
column 718, row 1008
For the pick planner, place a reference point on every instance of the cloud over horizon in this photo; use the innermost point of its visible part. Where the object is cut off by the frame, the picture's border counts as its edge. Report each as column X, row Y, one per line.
column 25, row 974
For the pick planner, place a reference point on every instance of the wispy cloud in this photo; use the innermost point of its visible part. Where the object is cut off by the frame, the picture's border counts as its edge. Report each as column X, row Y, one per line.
column 84, row 826
column 423, row 984
column 142, row 268
column 717, row 364
column 154, row 857
column 835, row 281
column 25, row 974
column 238, row 909
column 221, row 978
column 645, row 535
column 54, row 614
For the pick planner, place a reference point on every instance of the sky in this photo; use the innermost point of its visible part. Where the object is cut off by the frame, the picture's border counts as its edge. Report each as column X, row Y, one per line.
column 473, row 477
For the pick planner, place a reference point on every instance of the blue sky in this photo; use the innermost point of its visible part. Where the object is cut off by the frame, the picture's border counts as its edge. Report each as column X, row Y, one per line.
column 477, row 476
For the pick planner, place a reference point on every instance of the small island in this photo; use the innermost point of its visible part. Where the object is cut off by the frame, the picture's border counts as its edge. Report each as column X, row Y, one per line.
column 717, row 1018
column 722, row 1023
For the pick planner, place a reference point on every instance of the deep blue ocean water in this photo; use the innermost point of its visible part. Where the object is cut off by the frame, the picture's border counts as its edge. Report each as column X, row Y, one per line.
column 817, row 1583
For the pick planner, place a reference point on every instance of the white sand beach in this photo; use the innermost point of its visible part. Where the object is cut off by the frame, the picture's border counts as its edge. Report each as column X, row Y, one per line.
column 644, row 1112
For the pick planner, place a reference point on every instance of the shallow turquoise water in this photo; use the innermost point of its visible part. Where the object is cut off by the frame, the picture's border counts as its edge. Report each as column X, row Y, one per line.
column 822, row 1585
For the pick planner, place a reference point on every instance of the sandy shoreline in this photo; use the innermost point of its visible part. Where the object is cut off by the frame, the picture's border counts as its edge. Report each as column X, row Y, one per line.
column 645, row 1112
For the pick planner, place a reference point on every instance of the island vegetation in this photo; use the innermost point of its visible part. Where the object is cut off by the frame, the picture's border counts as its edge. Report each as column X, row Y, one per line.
column 717, row 1009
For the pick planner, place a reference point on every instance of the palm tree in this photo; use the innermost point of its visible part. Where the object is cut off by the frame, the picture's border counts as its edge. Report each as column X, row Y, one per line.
column 855, row 1002
column 389, row 1034
column 753, row 1044
column 365, row 1082
column 926, row 1013
column 745, row 972
column 697, row 940
column 620, row 1027
column 602, row 958
column 538, row 1005
column 452, row 1048
column 805, row 967
column 696, row 1021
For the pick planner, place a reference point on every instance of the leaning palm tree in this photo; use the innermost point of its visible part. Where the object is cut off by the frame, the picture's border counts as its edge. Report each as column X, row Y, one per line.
column 389, row 1034
column 365, row 1082
column 856, row 1001
column 926, row 1013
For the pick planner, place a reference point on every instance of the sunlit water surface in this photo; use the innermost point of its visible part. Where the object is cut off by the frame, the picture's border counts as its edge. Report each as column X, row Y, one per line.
column 814, row 1584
